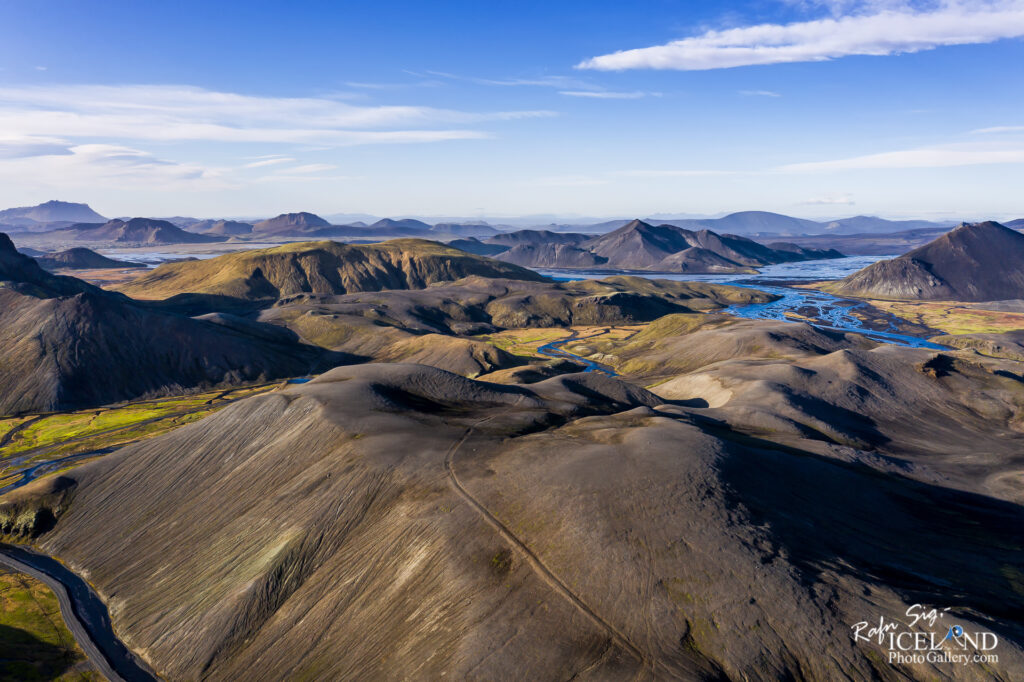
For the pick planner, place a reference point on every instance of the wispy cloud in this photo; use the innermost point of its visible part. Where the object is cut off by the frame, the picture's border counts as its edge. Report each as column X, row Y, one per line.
column 362, row 85
column 560, row 82
column 90, row 165
column 883, row 32
column 181, row 113
column 273, row 161
column 673, row 173
column 759, row 93
column 605, row 94
column 995, row 130
column 22, row 147
column 929, row 157
column 566, row 85
column 308, row 168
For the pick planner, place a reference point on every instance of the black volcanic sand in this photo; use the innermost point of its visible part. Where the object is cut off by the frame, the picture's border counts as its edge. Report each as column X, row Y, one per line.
column 398, row 521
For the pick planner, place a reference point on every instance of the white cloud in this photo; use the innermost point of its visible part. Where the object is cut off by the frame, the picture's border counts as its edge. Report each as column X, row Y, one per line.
column 670, row 173
column 308, row 168
column 759, row 93
column 562, row 82
column 272, row 161
column 21, row 147
column 605, row 94
column 566, row 85
column 998, row 130
column 933, row 157
column 92, row 165
column 884, row 32
column 393, row 86
column 181, row 113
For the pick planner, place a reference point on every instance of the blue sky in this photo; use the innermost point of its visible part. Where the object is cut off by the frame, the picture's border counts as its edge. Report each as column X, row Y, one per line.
column 817, row 109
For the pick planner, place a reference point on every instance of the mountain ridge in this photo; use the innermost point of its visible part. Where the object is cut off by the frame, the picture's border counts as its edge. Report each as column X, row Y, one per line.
column 640, row 246
column 319, row 267
column 68, row 344
column 974, row 262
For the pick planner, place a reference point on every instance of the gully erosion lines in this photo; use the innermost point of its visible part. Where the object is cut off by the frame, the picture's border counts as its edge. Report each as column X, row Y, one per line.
column 538, row 566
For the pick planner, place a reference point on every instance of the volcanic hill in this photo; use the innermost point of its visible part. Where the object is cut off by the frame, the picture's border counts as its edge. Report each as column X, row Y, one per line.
column 399, row 521
column 68, row 344
column 639, row 246
column 288, row 224
column 80, row 258
column 974, row 262
column 139, row 231
column 320, row 267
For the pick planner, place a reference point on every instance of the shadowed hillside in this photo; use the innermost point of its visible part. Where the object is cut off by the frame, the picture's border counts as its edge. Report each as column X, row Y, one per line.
column 132, row 231
column 69, row 344
column 640, row 246
column 979, row 262
column 81, row 258
column 289, row 224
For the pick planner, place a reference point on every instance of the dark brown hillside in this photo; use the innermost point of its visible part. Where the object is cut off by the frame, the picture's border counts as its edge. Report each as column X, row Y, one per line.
column 552, row 255
column 519, row 237
column 289, row 224
column 80, row 258
column 641, row 246
column 68, row 344
column 401, row 522
column 221, row 227
column 135, row 231
column 321, row 268
column 979, row 262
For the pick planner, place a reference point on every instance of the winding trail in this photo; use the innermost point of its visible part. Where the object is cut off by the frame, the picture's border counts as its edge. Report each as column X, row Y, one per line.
column 538, row 566
column 83, row 612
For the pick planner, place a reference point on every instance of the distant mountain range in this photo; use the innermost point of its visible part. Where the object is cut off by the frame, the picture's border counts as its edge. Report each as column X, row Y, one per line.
column 764, row 225
column 44, row 216
column 757, row 223
column 641, row 246
column 80, row 258
column 132, row 231
column 301, row 223
column 979, row 262
column 225, row 228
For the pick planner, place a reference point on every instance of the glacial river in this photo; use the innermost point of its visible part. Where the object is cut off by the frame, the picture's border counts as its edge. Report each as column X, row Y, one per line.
column 815, row 307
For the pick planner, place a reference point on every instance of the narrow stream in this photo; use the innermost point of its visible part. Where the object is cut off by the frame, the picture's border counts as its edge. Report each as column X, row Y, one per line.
column 555, row 350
